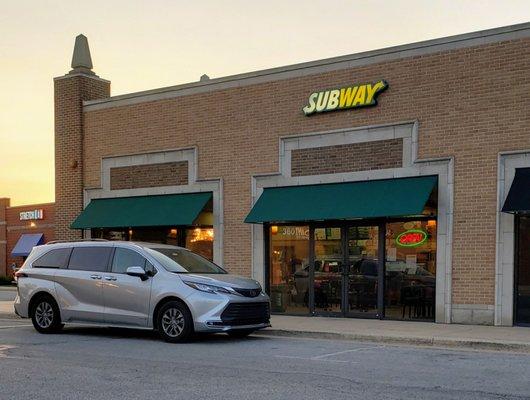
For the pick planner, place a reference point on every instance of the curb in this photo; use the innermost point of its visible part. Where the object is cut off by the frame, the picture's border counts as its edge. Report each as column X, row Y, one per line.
column 464, row 343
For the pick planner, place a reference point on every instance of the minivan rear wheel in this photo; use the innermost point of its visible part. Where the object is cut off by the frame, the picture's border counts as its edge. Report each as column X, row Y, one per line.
column 45, row 315
column 174, row 322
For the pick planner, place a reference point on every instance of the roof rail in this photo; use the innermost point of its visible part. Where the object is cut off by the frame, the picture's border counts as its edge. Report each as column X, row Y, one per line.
column 78, row 240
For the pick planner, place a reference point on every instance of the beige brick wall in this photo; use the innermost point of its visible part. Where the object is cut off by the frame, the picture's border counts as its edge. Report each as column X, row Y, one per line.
column 470, row 103
column 150, row 175
column 347, row 158
column 69, row 93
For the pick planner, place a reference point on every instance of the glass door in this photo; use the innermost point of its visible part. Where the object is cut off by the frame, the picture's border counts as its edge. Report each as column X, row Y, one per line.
column 327, row 273
column 362, row 271
column 346, row 271
column 522, row 271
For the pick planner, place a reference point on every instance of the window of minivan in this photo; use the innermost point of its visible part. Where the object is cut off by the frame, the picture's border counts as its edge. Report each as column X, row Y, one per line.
column 125, row 258
column 184, row 261
column 56, row 258
column 90, row 258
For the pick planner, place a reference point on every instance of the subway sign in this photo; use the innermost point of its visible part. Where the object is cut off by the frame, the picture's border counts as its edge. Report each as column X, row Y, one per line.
column 356, row 96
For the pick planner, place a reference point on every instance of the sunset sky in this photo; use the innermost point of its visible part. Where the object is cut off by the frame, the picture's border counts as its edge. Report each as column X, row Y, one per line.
column 141, row 45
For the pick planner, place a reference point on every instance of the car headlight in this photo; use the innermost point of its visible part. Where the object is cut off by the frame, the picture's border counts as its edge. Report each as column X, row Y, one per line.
column 208, row 288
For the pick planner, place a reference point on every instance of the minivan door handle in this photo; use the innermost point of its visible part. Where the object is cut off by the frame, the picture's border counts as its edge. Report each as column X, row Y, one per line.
column 95, row 276
column 110, row 278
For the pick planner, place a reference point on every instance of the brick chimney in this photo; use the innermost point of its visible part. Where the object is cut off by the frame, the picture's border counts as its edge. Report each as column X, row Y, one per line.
column 80, row 84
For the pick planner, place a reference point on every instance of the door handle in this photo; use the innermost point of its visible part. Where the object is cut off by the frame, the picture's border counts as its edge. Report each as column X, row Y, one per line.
column 95, row 276
column 110, row 278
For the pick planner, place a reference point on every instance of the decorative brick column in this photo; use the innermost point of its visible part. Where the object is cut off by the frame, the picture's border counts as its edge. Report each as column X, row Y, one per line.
column 80, row 84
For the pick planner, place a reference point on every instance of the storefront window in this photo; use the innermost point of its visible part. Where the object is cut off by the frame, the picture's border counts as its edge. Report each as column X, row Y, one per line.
column 410, row 270
column 289, row 269
column 200, row 241
column 197, row 239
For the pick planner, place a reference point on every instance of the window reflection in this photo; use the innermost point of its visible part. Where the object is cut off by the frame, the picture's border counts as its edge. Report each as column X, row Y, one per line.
column 362, row 269
column 197, row 239
column 289, row 269
column 328, row 270
column 410, row 265
column 200, row 241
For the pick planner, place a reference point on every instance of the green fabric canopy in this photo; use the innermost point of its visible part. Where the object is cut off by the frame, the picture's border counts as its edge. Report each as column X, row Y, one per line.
column 162, row 210
column 518, row 199
column 369, row 199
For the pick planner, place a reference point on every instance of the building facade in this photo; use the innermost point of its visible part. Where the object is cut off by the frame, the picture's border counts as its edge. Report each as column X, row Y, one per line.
column 21, row 228
column 369, row 185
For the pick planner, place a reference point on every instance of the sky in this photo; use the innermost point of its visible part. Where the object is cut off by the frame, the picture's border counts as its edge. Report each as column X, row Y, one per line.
column 141, row 45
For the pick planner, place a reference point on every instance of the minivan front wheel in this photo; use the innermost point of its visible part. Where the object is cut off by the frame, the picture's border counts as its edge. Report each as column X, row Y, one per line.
column 174, row 322
column 45, row 315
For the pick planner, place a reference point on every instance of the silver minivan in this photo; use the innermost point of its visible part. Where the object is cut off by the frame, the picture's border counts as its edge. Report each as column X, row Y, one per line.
column 136, row 285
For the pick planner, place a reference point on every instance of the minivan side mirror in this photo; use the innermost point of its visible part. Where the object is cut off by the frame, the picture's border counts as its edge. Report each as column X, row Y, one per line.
column 137, row 271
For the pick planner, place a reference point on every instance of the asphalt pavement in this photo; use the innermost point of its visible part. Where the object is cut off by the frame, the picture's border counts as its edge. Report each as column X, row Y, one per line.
column 7, row 294
column 94, row 363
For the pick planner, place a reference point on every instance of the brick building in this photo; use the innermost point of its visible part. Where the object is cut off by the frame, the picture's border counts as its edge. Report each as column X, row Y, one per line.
column 368, row 185
column 21, row 228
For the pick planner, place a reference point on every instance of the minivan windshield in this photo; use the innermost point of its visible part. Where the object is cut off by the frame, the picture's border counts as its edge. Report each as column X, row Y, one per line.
column 184, row 261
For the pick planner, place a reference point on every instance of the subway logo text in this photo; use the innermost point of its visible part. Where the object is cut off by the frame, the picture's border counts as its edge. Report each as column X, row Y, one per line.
column 355, row 96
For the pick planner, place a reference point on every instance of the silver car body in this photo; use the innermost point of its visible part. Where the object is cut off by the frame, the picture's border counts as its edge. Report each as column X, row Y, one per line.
column 118, row 299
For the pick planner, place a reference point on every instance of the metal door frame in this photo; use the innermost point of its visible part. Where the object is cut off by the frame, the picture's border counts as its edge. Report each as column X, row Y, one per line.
column 344, row 227
column 517, row 229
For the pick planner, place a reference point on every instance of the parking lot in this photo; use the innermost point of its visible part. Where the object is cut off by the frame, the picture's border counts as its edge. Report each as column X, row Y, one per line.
column 96, row 363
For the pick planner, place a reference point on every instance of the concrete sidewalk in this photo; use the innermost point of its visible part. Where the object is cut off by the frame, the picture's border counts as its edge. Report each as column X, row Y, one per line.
column 403, row 332
column 393, row 332
column 7, row 295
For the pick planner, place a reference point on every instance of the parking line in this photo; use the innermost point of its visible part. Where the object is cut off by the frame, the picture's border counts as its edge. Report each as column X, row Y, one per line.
column 345, row 351
column 13, row 326
column 316, row 359
column 323, row 357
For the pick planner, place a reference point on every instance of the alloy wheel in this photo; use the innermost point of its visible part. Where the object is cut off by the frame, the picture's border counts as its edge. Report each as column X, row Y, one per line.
column 173, row 322
column 44, row 315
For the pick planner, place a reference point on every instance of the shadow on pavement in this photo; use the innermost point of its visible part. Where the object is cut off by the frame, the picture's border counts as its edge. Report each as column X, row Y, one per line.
column 140, row 334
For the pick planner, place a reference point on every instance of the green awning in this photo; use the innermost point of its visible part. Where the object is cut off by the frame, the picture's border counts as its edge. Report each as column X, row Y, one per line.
column 518, row 199
column 162, row 210
column 368, row 199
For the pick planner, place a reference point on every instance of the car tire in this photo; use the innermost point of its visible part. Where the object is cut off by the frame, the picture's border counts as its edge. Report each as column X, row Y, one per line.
column 45, row 315
column 174, row 322
column 240, row 333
